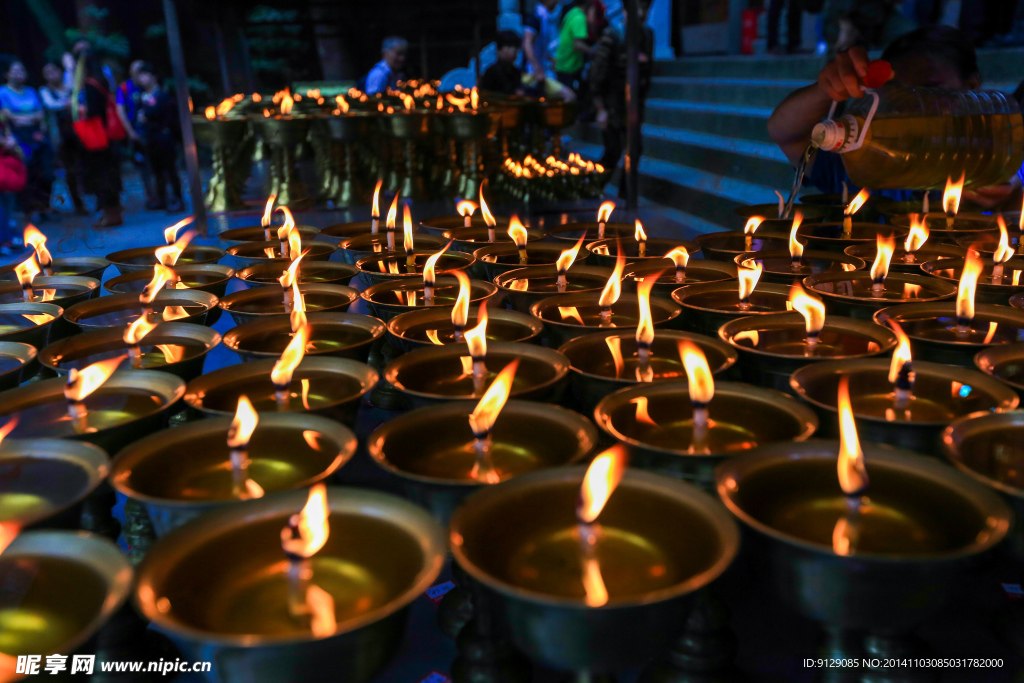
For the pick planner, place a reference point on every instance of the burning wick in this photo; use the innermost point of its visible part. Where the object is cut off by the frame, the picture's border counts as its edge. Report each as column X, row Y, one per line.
column 81, row 384
column 37, row 240
column 26, row 272
column 460, row 311
column 645, row 328
column 965, row 293
column 565, row 261
column 407, row 242
column 429, row 278
column 476, row 339
column 601, row 479
column 753, row 223
column 1003, row 252
column 612, row 289
column 641, row 239
column 482, row 420
column 267, row 213
column 242, row 427
column 133, row 336
column 701, row 390
column 390, row 223
column 485, row 211
column 604, row 212
column 885, row 246
column 517, row 232
column 680, row 257
column 466, row 208
column 901, row 370
column 796, row 249
column 303, row 536
column 748, row 277
column 916, row 238
column 375, row 209
column 288, row 279
column 285, row 231
column 951, row 199
column 281, row 374
column 925, row 203
column 813, row 311
column 852, row 208
column 853, row 477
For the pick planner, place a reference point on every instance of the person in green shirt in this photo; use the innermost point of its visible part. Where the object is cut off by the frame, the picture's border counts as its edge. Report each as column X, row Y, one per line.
column 573, row 47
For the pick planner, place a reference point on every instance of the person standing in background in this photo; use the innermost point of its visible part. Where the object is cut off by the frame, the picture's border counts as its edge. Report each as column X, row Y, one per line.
column 12, row 181
column 158, row 123
column 21, row 107
column 794, row 26
column 608, row 85
column 101, row 167
column 388, row 71
column 573, row 48
column 504, row 76
column 540, row 38
column 56, row 97
column 128, row 95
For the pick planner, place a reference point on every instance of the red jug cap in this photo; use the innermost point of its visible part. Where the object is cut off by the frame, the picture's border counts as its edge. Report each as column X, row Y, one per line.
column 879, row 73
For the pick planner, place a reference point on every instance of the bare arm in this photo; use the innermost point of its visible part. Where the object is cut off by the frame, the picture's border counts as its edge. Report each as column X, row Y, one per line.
column 531, row 56
column 791, row 123
column 123, row 115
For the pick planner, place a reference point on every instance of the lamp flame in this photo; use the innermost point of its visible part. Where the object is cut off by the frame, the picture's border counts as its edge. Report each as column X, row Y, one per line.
column 33, row 236
column 951, row 195
column 287, row 102
column 392, row 213
column 857, row 202
column 27, row 270
column 375, row 209
column 281, row 374
column 918, row 234
column 517, row 232
column 4, row 431
column 604, row 212
column 796, row 250
column 485, row 210
column 753, row 223
column 884, row 250
column 483, row 417
column 679, row 257
column 297, row 318
column 476, row 337
column 466, row 208
column 288, row 277
column 698, row 374
column 638, row 233
column 210, row 113
column 853, row 476
column 600, row 481
column 243, row 424
column 161, row 276
column 748, row 277
column 134, row 333
column 170, row 254
column 645, row 324
column 428, row 269
column 968, row 283
column 82, row 383
column 308, row 531
column 460, row 311
column 810, row 307
column 268, row 212
column 1003, row 251
column 407, row 240
column 613, row 288
column 901, row 356
column 568, row 256
column 170, row 234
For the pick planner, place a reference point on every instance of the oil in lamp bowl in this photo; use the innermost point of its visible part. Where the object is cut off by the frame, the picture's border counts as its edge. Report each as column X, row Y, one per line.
column 354, row 249
column 989, row 290
column 60, row 290
column 143, row 258
column 338, row 231
column 246, row 254
column 258, row 233
column 726, row 245
column 987, row 448
column 941, row 394
column 965, row 224
column 471, row 239
column 388, row 299
column 77, row 351
column 594, row 373
column 625, row 315
column 777, row 264
column 497, row 259
column 904, row 261
column 47, row 481
column 69, row 585
column 119, row 310
column 747, row 418
column 247, row 305
column 18, row 363
column 438, row 225
column 345, row 335
column 708, row 306
column 427, row 376
column 206, row 277
column 378, row 267
column 603, row 252
column 1005, row 363
column 438, row 475
column 336, row 387
column 834, row 207
column 519, row 541
column 833, row 237
column 15, row 327
column 223, row 576
column 697, row 271
column 779, row 344
column 932, row 522
column 180, row 473
column 933, row 330
column 321, row 272
column 853, row 294
column 80, row 266
column 410, row 330
column 541, row 282
column 771, row 211
column 130, row 403
column 571, row 232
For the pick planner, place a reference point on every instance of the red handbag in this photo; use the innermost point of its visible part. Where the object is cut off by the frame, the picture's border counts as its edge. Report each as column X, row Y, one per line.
column 94, row 134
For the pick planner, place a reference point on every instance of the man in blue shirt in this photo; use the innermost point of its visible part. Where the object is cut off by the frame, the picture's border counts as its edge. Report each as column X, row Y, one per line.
column 540, row 38
column 387, row 72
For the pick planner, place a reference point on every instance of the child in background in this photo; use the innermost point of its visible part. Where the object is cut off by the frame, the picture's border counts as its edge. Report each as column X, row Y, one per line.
column 158, row 123
column 504, row 76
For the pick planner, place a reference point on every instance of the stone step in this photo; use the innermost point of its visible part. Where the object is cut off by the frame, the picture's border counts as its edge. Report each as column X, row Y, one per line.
column 755, row 92
column 761, row 163
column 802, row 67
column 731, row 120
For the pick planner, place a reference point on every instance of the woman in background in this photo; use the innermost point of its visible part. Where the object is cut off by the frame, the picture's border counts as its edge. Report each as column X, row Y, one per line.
column 101, row 167
column 56, row 97
column 21, row 107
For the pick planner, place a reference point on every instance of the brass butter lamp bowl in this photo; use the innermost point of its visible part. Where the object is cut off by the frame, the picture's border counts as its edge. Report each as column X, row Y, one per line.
column 28, row 323
column 345, row 335
column 143, row 258
column 207, row 277
column 322, row 272
column 18, row 363
column 419, row 328
column 1005, row 363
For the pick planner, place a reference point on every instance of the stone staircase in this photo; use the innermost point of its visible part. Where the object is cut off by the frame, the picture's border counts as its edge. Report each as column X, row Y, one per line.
column 706, row 145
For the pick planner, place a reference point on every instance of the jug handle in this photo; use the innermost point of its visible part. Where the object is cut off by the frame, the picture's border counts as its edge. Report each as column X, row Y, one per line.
column 862, row 133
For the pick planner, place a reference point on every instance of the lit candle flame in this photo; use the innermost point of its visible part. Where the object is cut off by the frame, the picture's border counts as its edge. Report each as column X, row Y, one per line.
column 645, row 324
column 886, row 245
column 748, row 277
column 965, row 290
column 429, row 276
column 460, row 311
column 82, row 383
column 918, row 234
column 641, row 238
column 466, row 208
column 698, row 373
column 570, row 313
column 613, row 288
column 4, row 432
column 297, row 318
column 170, row 254
column 210, row 113
column 796, row 250
column 518, row 234
column 226, row 105
column 568, row 256
column 1003, row 251
column 390, row 222
column 288, row 277
column 679, row 256
column 308, row 531
column 37, row 240
column 603, row 475
column 641, row 415
column 604, row 212
column 753, row 223
column 856, row 203
column 853, row 477
column 485, row 414
column 407, row 240
column 810, row 307
column 268, row 212
column 243, row 424
column 951, row 195
column 171, row 233
column 476, row 337
column 281, row 374
column 614, row 345
column 294, row 244
column 137, row 330
column 287, row 102
column 26, row 272
column 375, row 208
column 161, row 276
column 901, row 355
column 485, row 211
